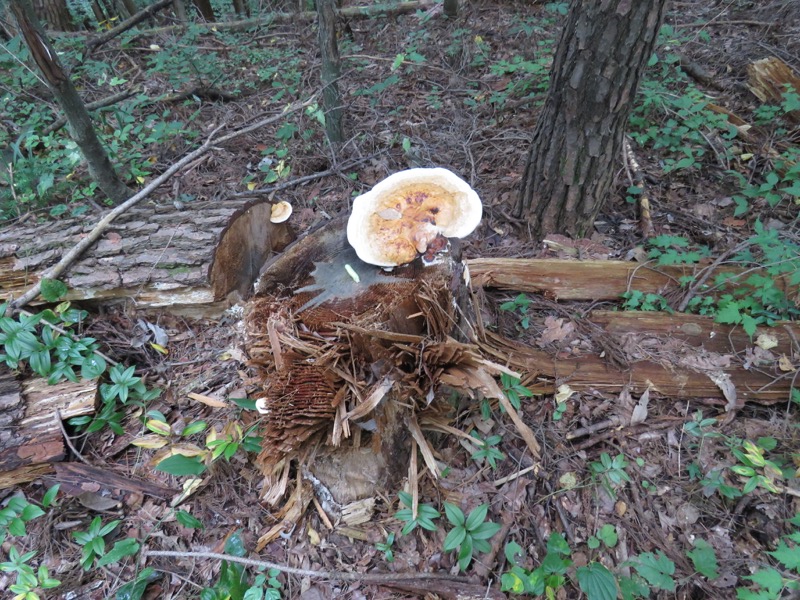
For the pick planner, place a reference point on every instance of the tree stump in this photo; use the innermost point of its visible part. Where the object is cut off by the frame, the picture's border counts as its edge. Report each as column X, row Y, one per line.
column 344, row 365
column 184, row 260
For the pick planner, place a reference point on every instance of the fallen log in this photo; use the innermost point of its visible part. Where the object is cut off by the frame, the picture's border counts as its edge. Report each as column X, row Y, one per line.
column 184, row 260
column 558, row 279
column 31, row 437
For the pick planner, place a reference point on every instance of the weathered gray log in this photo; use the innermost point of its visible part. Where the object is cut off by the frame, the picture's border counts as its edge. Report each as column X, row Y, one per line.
column 187, row 259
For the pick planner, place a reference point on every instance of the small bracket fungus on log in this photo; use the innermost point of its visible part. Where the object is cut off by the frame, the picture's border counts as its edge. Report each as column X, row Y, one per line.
column 409, row 213
column 280, row 212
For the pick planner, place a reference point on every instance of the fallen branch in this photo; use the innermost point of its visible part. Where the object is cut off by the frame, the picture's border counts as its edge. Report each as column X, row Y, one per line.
column 332, row 575
column 351, row 12
column 109, row 35
column 56, row 271
column 102, row 103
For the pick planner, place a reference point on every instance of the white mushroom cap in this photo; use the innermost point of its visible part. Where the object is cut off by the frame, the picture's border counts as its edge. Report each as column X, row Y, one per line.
column 397, row 219
column 280, row 212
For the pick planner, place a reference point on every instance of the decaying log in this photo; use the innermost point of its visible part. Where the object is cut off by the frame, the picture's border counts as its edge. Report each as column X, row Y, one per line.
column 683, row 373
column 188, row 260
column 30, row 435
column 768, row 79
column 559, row 279
column 77, row 479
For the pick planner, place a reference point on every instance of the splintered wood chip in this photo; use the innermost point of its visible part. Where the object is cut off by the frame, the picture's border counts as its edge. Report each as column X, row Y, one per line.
column 208, row 400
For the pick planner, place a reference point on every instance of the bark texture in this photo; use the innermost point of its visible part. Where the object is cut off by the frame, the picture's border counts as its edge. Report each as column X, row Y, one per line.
column 604, row 48
column 329, row 51
column 78, row 119
column 187, row 260
column 54, row 13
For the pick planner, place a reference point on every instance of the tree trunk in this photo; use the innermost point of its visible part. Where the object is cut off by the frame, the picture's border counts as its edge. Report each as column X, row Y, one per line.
column 602, row 53
column 205, row 10
column 78, row 119
column 329, row 50
column 54, row 14
column 242, row 8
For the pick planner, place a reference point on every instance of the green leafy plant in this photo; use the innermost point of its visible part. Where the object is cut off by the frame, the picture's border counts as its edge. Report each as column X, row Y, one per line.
column 426, row 515
column 607, row 535
column 469, row 534
column 386, row 547
column 93, row 545
column 233, row 581
column 29, row 581
column 610, row 472
column 520, row 306
column 514, row 390
column 547, row 578
column 487, row 451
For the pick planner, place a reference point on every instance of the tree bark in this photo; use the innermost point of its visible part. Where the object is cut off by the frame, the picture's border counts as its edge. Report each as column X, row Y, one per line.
column 186, row 260
column 54, row 13
column 329, row 50
column 602, row 53
column 205, row 10
column 78, row 119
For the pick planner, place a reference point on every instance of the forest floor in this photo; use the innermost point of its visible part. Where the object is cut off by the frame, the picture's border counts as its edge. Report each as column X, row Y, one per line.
column 465, row 95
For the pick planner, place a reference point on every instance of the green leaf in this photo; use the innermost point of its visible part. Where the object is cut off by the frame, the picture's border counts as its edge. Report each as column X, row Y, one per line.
column 245, row 403
column 484, row 531
column 454, row 514
column 123, row 548
column 192, row 428
column 254, row 593
column 53, row 290
column 633, row 587
column 454, row 539
column 93, row 366
column 135, row 589
column 514, row 553
column 729, row 313
column 188, row 520
column 465, row 553
column 556, row 544
column 789, row 557
column 608, row 534
column 179, row 465
column 476, row 517
column 50, row 495
column 769, row 579
column 597, row 582
column 704, row 559
column 234, row 545
column 30, row 512
column 656, row 569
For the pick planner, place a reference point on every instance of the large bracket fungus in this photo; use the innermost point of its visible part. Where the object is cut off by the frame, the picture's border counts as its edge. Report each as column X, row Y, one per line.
column 409, row 212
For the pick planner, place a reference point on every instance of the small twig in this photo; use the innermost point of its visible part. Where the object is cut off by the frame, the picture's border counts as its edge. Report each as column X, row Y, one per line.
column 102, row 103
column 68, row 440
column 298, row 180
column 635, row 175
column 55, row 271
column 332, row 575
column 612, row 422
